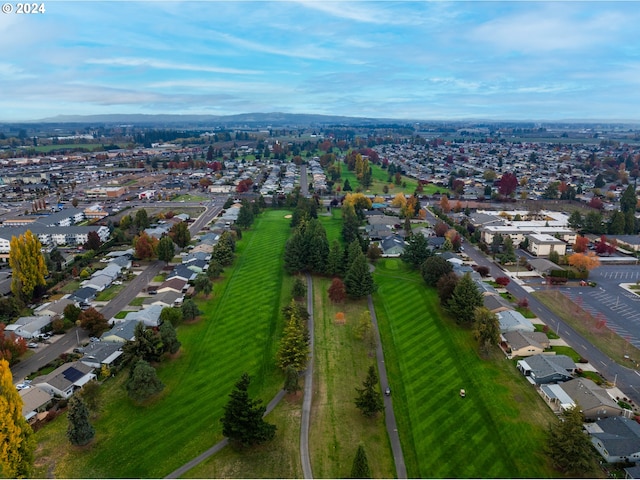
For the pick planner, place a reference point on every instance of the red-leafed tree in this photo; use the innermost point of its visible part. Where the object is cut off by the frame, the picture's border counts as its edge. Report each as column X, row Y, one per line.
column 605, row 247
column 145, row 246
column 11, row 346
column 596, row 203
column 507, row 184
column 581, row 245
column 244, row 185
column 337, row 291
column 441, row 229
column 503, row 281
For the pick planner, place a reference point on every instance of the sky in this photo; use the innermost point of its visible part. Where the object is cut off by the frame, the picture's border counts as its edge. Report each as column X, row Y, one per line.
column 420, row 60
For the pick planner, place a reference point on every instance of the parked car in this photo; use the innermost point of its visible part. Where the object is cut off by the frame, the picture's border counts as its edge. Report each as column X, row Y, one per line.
column 23, row 386
column 32, row 345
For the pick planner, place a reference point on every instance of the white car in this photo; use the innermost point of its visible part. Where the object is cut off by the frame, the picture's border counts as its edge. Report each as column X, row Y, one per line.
column 32, row 345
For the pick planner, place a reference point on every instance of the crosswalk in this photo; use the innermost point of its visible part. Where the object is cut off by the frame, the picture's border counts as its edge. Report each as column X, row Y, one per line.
column 615, row 309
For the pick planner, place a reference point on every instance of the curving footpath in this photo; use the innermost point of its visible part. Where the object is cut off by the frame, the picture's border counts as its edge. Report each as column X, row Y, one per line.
column 308, row 390
column 390, row 418
column 306, row 408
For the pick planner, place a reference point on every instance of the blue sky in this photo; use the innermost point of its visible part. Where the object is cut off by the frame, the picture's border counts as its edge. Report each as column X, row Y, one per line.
column 494, row 60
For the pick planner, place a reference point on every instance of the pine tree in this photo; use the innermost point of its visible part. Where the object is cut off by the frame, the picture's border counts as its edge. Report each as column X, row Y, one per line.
column 79, row 430
column 569, row 446
column 294, row 346
column 242, row 421
column 360, row 468
column 143, row 383
column 465, row 299
column 416, row 251
column 28, row 265
column 486, row 328
column 169, row 337
column 291, row 380
column 359, row 281
column 299, row 289
column 245, row 215
column 18, row 445
column 369, row 399
column 433, row 268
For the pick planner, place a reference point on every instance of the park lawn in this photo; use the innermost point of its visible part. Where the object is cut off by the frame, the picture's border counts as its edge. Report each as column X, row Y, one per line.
column 238, row 332
column 379, row 180
column 497, row 431
column 341, row 362
column 332, row 225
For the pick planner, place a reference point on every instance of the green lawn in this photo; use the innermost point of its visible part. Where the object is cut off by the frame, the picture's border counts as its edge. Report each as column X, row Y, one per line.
column 497, row 431
column 238, row 332
column 332, row 225
column 109, row 293
column 341, row 363
column 137, row 301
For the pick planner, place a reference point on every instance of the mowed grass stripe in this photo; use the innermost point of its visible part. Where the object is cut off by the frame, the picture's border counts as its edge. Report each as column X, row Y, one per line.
column 236, row 334
column 429, row 359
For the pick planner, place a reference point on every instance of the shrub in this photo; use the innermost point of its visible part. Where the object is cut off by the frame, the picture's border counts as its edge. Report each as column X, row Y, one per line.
column 523, row 302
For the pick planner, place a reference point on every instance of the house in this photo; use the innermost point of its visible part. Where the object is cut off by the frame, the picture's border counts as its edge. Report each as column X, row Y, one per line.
column 97, row 354
column 121, row 332
column 83, row 295
column 112, row 271
column 196, row 265
column 34, row 401
column 511, row 320
column 66, row 379
column 544, row 266
column 542, row 244
column 541, row 369
column 29, row 327
column 175, row 284
column 182, row 272
column 98, row 282
column 495, row 303
column 149, row 316
column 168, row 298
column 53, row 309
column 617, row 439
column 392, row 246
column 594, row 401
column 123, row 261
column 525, row 344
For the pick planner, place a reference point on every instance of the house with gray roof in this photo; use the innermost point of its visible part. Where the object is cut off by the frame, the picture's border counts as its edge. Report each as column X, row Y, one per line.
column 617, row 439
column 541, row 369
column 98, row 282
column 594, row 401
column 149, row 316
column 121, row 332
column 84, row 295
column 123, row 261
column 392, row 246
column 496, row 303
column 168, row 298
column 511, row 320
column 65, row 379
column 525, row 344
column 34, row 401
column 101, row 353
column 55, row 308
column 29, row 327
column 182, row 272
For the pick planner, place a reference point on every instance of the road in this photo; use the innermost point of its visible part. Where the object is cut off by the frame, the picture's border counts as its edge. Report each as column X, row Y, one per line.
column 626, row 379
column 64, row 343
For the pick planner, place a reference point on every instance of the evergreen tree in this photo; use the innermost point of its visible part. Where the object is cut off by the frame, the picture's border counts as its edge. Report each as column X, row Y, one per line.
column 360, row 468
column 141, row 220
column 146, row 345
column 465, row 299
column 575, row 220
column 433, row 268
column 143, row 383
column 79, row 430
column 630, row 227
column 214, row 270
column 245, row 215
column 202, row 284
column 294, row 253
column 291, row 380
column 169, row 336
column 222, row 253
column 299, row 289
column 294, row 346
column 334, row 259
column 616, row 224
column 18, row 445
column 569, row 446
column 242, row 420
column 629, row 200
column 166, row 249
column 445, row 286
column 369, row 399
column 416, row 251
column 359, row 282
column 350, row 224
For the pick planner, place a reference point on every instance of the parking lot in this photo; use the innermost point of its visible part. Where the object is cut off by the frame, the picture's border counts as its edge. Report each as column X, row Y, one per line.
column 608, row 300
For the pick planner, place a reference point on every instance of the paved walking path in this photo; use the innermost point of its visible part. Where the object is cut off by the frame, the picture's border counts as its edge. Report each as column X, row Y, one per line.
column 308, row 391
column 306, row 409
column 390, row 418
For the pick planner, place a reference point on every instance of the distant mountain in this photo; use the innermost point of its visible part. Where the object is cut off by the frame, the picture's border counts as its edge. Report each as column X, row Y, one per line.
column 249, row 119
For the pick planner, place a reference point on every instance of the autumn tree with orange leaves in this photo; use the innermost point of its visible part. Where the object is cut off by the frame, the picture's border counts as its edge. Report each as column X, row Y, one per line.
column 584, row 262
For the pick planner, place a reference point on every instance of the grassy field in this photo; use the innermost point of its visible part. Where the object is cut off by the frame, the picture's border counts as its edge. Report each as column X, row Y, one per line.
column 238, row 332
column 341, row 363
column 497, row 431
column 109, row 293
column 332, row 225
column 605, row 340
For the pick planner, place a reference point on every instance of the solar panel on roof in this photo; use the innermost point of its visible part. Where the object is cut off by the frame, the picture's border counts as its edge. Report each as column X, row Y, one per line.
column 72, row 374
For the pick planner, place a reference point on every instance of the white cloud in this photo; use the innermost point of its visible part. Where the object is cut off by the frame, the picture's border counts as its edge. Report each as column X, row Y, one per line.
column 163, row 65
